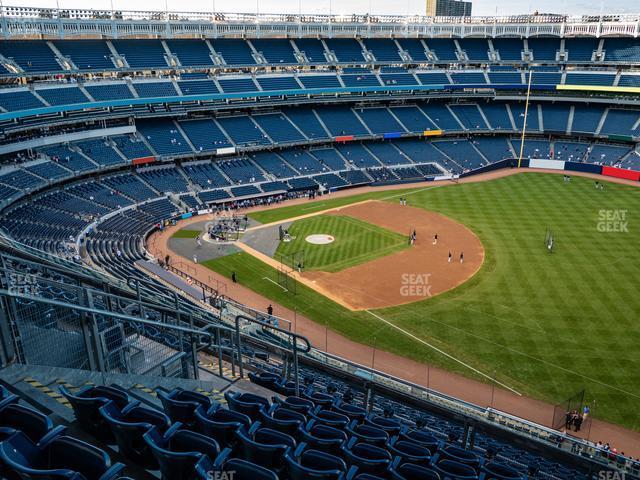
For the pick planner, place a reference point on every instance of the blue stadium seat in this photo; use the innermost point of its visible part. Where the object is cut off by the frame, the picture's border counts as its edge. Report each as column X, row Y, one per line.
column 178, row 451
column 264, row 446
column 282, row 419
column 500, row 471
column 246, row 403
column 242, row 469
column 305, row 464
column 323, row 437
column 327, row 417
column 409, row 451
column 59, row 458
column 400, row 470
column 366, row 456
column 129, row 425
column 36, row 426
column 180, row 405
column 450, row 469
column 221, row 424
column 86, row 404
column 367, row 433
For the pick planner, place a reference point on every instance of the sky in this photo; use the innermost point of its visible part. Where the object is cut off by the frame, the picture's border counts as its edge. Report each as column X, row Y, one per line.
column 381, row 7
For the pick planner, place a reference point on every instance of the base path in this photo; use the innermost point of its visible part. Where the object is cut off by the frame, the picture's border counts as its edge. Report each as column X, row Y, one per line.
column 413, row 274
column 453, row 384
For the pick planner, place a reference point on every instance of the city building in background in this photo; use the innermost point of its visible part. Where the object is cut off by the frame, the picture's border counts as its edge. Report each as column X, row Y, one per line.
column 448, row 8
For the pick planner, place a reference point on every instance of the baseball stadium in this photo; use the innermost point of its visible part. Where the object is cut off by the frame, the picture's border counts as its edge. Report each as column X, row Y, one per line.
column 319, row 246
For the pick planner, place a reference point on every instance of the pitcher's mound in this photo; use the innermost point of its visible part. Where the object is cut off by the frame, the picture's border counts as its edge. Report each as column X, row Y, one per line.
column 319, row 239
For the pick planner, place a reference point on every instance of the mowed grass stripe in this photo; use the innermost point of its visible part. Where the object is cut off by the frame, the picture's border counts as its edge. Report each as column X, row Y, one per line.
column 186, row 233
column 355, row 242
column 551, row 324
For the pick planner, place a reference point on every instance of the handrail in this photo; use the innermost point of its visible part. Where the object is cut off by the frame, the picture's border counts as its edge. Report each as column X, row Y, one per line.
column 290, row 335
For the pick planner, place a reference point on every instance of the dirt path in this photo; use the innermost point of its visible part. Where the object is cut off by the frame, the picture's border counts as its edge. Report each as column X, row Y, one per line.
column 409, row 275
column 437, row 379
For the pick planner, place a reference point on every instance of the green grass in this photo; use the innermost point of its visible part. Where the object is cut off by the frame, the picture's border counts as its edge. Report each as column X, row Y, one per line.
column 186, row 233
column 548, row 324
column 355, row 242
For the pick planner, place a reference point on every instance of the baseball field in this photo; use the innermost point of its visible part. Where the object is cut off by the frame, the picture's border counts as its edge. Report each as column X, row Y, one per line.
column 545, row 324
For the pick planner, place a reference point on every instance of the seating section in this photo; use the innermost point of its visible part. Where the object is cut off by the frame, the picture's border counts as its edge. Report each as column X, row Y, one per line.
column 141, row 53
column 32, row 56
column 234, row 52
column 205, row 135
column 277, row 51
column 243, row 131
column 63, row 96
column 19, row 100
column 191, row 52
column 165, row 180
column 346, row 50
column 86, row 54
column 164, row 137
column 155, row 89
column 110, row 91
column 313, row 49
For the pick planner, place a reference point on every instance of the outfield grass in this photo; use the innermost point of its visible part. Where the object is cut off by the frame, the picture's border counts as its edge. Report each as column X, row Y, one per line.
column 550, row 325
column 186, row 233
column 355, row 242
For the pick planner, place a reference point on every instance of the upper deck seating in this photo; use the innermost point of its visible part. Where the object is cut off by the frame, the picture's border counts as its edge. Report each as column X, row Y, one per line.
column 234, row 51
column 86, row 54
column 142, row 53
column 276, row 50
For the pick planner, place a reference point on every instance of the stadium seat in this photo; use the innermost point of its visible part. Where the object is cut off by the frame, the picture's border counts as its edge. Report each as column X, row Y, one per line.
column 221, row 424
column 36, row 426
column 86, row 404
column 327, row 417
column 264, row 446
column 129, row 425
column 57, row 458
column 246, row 403
column 500, row 471
column 242, row 469
column 282, row 419
column 409, row 451
column 323, row 437
column 180, row 405
column 178, row 451
column 455, row 470
column 367, row 457
column 312, row 464
column 400, row 470
column 367, row 433
column 297, row 404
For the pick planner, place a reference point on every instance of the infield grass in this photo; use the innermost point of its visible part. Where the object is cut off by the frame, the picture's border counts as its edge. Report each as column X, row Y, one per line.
column 549, row 325
column 355, row 242
column 186, row 233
